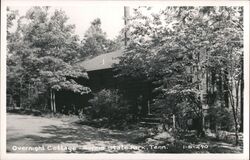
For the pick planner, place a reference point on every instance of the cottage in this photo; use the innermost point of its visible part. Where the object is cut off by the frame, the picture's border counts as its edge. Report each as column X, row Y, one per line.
column 101, row 74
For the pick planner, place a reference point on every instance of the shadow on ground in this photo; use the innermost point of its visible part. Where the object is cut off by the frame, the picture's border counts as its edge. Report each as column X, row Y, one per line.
column 30, row 131
column 82, row 136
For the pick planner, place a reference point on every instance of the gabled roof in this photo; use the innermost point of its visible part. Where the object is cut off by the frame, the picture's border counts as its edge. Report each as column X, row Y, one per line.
column 103, row 61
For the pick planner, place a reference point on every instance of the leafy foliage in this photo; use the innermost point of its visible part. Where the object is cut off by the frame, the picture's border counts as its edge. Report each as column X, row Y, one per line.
column 95, row 41
column 41, row 54
column 180, row 49
column 111, row 107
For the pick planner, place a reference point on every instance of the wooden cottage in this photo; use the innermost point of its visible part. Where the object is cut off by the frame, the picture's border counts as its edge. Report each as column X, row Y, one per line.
column 102, row 73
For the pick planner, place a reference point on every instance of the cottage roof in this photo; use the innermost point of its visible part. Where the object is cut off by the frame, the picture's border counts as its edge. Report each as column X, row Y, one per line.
column 103, row 61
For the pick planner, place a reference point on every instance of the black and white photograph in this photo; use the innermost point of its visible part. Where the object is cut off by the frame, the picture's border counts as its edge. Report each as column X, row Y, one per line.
column 112, row 78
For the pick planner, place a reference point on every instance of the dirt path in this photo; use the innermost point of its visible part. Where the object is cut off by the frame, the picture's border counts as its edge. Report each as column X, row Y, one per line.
column 31, row 134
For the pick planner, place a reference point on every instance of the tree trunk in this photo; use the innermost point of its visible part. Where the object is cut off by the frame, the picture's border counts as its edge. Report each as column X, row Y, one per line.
column 225, row 88
column 20, row 96
column 201, row 129
column 29, row 95
column 235, row 118
column 236, row 112
column 220, row 88
column 45, row 104
column 174, row 122
column 54, row 101
column 51, row 101
column 241, row 96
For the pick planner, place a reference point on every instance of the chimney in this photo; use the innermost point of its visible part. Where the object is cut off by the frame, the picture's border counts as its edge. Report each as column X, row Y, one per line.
column 126, row 16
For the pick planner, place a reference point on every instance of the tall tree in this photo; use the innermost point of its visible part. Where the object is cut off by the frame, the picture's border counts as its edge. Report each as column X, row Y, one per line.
column 12, row 39
column 95, row 41
column 178, row 48
column 47, row 52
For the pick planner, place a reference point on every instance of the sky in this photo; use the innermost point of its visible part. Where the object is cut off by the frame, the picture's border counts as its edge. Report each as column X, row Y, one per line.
column 81, row 16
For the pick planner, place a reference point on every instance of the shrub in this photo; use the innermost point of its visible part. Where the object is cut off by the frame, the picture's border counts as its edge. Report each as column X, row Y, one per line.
column 222, row 118
column 110, row 108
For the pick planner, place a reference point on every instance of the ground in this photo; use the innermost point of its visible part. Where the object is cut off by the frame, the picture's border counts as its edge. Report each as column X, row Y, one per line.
column 26, row 130
column 29, row 134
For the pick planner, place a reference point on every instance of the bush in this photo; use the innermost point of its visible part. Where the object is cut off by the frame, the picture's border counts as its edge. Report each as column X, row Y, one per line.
column 110, row 108
column 222, row 118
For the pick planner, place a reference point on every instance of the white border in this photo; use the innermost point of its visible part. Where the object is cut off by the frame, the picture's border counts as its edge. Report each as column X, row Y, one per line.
column 5, row 156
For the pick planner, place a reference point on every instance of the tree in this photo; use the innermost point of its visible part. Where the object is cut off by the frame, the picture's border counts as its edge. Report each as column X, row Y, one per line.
column 11, row 16
column 180, row 49
column 46, row 52
column 11, row 40
column 95, row 41
column 227, row 32
column 155, row 52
